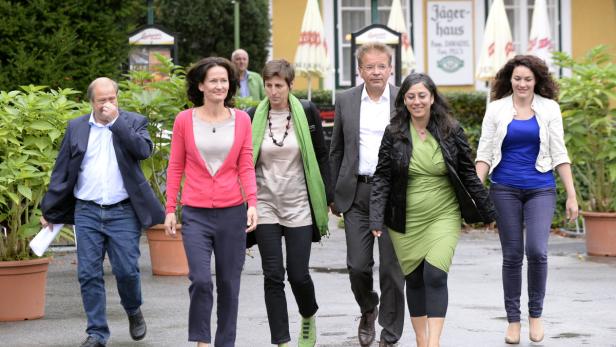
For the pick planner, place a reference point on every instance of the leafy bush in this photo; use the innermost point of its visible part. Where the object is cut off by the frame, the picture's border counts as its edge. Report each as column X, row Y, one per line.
column 32, row 124
column 244, row 103
column 321, row 97
column 468, row 108
column 159, row 99
column 205, row 28
column 588, row 100
column 64, row 43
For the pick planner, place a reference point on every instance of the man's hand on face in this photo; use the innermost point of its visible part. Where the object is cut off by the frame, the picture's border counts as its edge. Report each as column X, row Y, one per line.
column 109, row 112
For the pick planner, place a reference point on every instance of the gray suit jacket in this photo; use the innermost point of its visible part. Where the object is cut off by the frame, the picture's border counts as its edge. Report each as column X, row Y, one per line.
column 344, row 150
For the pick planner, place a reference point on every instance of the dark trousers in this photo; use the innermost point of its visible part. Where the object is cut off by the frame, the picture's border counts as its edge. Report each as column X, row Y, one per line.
column 223, row 232
column 517, row 209
column 360, row 247
column 114, row 231
column 297, row 243
column 426, row 291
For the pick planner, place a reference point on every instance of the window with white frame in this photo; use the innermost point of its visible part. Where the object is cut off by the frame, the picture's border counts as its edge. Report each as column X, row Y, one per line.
column 520, row 16
column 352, row 16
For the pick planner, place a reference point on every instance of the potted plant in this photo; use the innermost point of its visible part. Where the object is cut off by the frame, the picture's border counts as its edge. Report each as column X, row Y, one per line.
column 588, row 102
column 32, row 123
column 159, row 96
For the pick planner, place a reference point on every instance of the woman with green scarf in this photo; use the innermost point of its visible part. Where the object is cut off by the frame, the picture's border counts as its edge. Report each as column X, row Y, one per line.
column 291, row 164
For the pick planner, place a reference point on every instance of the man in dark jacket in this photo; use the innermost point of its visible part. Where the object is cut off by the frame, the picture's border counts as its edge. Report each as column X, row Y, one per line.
column 98, row 186
column 362, row 113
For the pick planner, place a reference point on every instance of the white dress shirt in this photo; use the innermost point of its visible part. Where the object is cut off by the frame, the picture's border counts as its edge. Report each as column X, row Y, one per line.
column 374, row 117
column 99, row 178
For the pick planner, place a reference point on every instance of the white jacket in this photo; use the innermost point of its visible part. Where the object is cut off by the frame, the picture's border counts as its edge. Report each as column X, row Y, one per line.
column 552, row 150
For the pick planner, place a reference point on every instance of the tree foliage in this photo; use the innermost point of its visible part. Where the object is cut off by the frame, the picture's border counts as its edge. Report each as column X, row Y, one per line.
column 64, row 43
column 205, row 28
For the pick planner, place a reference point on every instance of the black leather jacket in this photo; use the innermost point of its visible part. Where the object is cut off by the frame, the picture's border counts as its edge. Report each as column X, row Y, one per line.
column 388, row 195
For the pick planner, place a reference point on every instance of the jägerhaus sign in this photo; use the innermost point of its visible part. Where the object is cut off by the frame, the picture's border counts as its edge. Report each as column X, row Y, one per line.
column 450, row 45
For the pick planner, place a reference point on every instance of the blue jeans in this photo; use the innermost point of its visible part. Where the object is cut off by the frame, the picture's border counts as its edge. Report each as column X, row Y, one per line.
column 115, row 231
column 517, row 209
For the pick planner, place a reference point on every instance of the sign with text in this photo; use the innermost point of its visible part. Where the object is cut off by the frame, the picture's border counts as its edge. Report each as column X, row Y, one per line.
column 450, row 42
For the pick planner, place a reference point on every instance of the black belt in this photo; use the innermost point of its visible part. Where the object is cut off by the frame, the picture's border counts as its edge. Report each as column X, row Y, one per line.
column 123, row 202
column 364, row 179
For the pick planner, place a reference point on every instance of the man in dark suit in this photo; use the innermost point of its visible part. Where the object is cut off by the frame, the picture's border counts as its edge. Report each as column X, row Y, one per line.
column 98, row 186
column 361, row 115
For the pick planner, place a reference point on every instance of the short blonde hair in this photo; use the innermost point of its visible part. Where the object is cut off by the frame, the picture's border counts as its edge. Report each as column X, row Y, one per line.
column 373, row 46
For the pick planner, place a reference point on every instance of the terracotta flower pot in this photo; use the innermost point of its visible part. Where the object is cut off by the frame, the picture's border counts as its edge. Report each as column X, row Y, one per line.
column 22, row 289
column 167, row 253
column 600, row 230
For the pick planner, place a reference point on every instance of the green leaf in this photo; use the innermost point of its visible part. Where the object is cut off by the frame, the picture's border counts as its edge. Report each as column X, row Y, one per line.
column 13, row 197
column 25, row 191
column 42, row 126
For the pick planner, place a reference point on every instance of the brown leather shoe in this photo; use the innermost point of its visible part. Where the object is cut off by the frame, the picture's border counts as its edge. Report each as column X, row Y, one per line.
column 366, row 331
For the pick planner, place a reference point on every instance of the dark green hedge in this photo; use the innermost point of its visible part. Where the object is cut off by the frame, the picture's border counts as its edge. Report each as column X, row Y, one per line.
column 205, row 28
column 468, row 108
column 64, row 43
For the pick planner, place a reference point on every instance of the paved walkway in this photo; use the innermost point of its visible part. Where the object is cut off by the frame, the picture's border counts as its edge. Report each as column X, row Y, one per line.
column 580, row 307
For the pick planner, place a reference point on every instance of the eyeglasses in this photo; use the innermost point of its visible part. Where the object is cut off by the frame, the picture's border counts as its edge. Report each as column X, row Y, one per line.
column 378, row 68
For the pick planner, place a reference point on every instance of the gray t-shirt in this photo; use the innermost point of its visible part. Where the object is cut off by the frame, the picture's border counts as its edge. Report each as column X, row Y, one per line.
column 282, row 196
column 214, row 141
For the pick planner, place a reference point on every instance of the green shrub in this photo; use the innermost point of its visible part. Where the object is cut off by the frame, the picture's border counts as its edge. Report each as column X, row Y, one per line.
column 32, row 124
column 587, row 101
column 205, row 28
column 64, row 44
column 321, row 97
column 468, row 108
column 159, row 100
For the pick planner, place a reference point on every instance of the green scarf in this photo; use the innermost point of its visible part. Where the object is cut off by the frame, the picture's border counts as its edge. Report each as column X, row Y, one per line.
column 314, row 181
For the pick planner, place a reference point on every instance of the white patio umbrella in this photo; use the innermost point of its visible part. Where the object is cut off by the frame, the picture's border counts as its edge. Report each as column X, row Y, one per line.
column 396, row 21
column 540, row 40
column 497, row 47
column 311, row 57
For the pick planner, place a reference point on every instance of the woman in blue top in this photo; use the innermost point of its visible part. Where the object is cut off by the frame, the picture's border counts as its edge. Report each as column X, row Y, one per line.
column 521, row 143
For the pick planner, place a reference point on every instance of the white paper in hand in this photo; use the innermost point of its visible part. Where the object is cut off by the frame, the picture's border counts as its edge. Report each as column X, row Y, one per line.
column 42, row 240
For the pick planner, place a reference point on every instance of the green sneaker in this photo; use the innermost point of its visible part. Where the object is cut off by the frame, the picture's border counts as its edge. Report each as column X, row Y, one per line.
column 308, row 333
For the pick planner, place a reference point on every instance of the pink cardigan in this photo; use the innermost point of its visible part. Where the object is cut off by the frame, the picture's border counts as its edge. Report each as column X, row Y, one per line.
column 201, row 189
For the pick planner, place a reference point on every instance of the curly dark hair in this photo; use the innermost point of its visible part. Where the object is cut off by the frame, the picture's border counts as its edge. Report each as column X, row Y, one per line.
column 544, row 83
column 440, row 112
column 197, row 73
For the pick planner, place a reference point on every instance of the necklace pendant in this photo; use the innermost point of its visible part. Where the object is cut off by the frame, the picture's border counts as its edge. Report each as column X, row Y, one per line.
column 213, row 129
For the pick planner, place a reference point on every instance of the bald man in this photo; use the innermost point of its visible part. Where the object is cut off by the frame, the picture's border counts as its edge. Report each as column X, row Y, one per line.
column 98, row 186
column 251, row 83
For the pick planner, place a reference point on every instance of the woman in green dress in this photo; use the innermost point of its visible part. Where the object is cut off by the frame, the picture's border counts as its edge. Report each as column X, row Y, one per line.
column 425, row 183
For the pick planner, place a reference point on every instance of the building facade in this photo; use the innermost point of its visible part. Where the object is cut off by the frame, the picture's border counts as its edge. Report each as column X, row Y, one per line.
column 575, row 25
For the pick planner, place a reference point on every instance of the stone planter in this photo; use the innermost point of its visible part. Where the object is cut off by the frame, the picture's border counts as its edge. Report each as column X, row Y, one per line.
column 22, row 289
column 167, row 254
column 600, row 233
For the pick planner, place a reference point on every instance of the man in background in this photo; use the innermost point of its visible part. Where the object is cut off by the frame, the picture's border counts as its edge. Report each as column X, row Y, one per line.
column 251, row 83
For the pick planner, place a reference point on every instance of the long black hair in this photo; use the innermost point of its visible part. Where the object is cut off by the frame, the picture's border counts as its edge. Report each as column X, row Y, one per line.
column 440, row 112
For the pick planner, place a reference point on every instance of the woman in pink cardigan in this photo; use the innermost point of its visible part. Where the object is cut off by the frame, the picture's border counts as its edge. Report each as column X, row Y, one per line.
column 211, row 148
